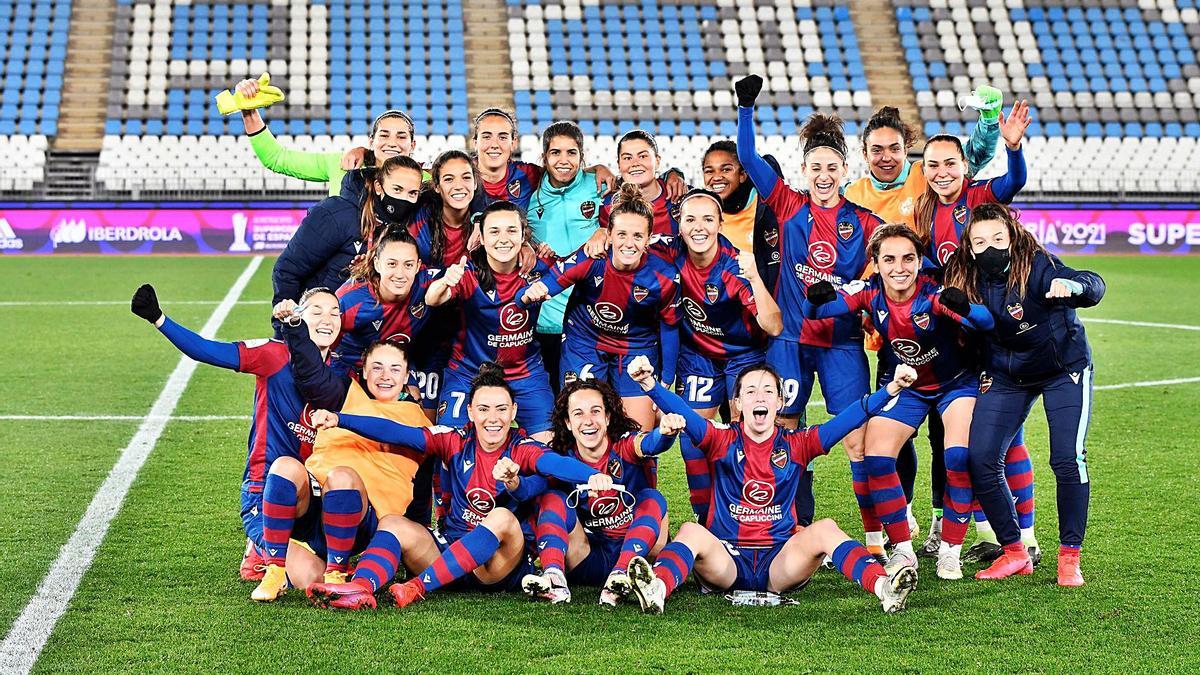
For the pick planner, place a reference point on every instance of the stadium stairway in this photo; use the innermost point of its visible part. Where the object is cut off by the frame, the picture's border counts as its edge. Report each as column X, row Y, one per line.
column 489, row 71
column 70, row 174
column 883, row 57
column 85, row 81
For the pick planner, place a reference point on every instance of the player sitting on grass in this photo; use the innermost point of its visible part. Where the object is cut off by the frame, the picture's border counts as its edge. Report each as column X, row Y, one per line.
column 280, row 426
column 592, row 540
column 487, row 463
column 751, row 540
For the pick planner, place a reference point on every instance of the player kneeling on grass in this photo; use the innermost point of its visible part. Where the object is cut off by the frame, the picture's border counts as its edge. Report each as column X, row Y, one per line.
column 487, row 464
column 751, row 540
column 280, row 426
column 589, row 537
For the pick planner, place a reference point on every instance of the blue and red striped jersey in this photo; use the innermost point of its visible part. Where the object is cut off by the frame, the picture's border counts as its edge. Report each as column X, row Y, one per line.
column 920, row 332
column 367, row 319
column 666, row 213
column 280, row 425
column 817, row 244
column 754, row 484
column 949, row 220
column 467, row 473
column 454, row 246
column 618, row 311
column 493, row 327
column 520, row 182
column 606, row 512
column 718, row 306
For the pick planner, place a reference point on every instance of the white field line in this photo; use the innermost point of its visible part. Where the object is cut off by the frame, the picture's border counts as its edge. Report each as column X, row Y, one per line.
column 226, row 418
column 100, row 303
column 1143, row 324
column 31, row 630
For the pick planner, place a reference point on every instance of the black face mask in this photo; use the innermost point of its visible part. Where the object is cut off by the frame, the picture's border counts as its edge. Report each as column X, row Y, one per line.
column 993, row 261
column 391, row 209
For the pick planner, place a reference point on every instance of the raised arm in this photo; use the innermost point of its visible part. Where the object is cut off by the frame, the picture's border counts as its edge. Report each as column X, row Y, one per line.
column 760, row 172
column 832, row 432
column 1074, row 288
column 824, row 301
column 441, row 289
column 1012, row 128
column 221, row 354
column 767, row 312
column 320, row 384
column 980, row 148
column 952, row 302
column 642, row 372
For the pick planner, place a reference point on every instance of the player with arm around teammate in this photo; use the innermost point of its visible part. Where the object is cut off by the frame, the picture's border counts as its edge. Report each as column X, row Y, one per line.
column 1037, row 348
column 592, row 540
column 621, row 306
column 751, row 541
column 921, row 327
column 281, row 427
column 488, row 462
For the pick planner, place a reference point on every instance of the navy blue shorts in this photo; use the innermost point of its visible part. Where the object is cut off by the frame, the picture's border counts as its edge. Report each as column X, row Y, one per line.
column 534, row 398
column 252, row 498
column 707, row 383
column 912, row 407
column 843, row 372
column 470, row 582
column 593, row 570
column 582, row 361
column 753, row 566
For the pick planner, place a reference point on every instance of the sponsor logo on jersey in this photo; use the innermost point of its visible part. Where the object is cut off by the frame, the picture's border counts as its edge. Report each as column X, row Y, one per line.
column 758, row 493
column 845, row 229
column 609, row 312
column 533, row 277
column 960, row 213
column 513, row 318
column 441, row 409
column 417, row 310
column 694, row 311
column 921, row 320
column 779, row 457
column 588, row 209
column 985, row 383
column 640, row 293
column 570, row 376
column 1016, row 311
column 398, row 338
column 614, row 467
column 771, row 237
column 1074, row 377
column 377, row 323
column 945, row 250
column 602, row 507
column 467, row 464
column 905, row 347
column 597, row 280
column 514, row 188
column 882, row 314
column 822, row 255
column 673, row 211
column 480, row 500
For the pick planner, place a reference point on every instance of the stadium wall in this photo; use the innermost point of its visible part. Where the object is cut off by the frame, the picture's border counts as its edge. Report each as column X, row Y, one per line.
column 238, row 228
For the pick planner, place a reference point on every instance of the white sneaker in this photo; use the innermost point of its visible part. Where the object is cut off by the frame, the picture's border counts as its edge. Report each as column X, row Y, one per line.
column 894, row 592
column 899, row 560
column 651, row 592
column 551, row 585
column 617, row 587
column 949, row 566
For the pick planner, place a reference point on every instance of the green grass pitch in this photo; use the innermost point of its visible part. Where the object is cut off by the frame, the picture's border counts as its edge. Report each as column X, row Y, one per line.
column 163, row 592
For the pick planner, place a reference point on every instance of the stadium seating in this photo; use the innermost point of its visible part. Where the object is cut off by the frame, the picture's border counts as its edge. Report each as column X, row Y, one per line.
column 24, row 164
column 171, row 57
column 668, row 66
column 33, row 57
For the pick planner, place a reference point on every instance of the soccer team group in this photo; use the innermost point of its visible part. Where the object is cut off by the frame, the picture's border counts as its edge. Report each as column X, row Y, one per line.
column 564, row 326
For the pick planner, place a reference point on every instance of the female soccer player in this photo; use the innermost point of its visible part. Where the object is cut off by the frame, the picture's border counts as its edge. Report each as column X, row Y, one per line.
column 563, row 214
column 336, row 230
column 821, row 237
column 943, row 210
column 280, row 424
column 920, row 328
column 1038, row 348
column 890, row 190
column 592, row 541
column 727, row 315
column 494, row 326
column 751, row 540
column 392, row 134
column 487, row 461
column 622, row 306
column 637, row 161
column 320, row 508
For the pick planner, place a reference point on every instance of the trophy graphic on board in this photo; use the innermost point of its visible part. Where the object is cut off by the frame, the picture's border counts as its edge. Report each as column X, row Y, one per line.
column 239, row 244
